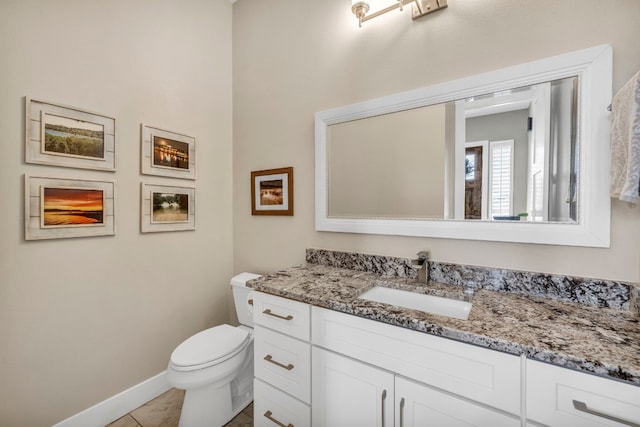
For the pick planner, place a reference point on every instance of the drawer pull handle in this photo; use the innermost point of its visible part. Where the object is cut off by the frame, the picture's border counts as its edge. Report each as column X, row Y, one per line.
column 402, row 412
column 268, row 415
column 269, row 358
column 384, row 397
column 581, row 406
column 268, row 312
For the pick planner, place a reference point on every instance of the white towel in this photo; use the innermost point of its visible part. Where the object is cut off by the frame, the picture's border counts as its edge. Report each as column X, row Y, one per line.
column 625, row 142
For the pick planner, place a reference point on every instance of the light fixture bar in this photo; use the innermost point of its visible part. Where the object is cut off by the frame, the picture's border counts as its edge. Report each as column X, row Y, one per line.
column 419, row 8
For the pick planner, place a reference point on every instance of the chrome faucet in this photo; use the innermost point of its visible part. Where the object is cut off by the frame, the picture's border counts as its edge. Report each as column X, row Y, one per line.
column 422, row 265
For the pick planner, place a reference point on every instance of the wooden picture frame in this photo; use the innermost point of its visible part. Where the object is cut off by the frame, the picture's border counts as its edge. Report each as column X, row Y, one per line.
column 57, row 208
column 66, row 136
column 272, row 192
column 167, row 208
column 166, row 153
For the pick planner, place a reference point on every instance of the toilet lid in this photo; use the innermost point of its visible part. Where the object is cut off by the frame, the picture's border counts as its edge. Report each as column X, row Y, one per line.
column 209, row 345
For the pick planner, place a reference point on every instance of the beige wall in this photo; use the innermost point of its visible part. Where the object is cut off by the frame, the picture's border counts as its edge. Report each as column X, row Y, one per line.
column 83, row 319
column 293, row 58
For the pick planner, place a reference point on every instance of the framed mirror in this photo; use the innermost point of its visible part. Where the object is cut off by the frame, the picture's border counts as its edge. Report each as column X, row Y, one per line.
column 519, row 154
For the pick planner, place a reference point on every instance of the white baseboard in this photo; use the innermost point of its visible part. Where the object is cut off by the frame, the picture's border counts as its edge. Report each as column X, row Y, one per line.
column 119, row 405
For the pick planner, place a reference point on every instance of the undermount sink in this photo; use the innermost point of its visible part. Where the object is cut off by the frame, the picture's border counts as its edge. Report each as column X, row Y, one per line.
column 415, row 301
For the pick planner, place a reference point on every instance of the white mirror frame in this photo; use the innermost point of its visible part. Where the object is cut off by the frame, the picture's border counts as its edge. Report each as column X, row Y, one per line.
column 593, row 66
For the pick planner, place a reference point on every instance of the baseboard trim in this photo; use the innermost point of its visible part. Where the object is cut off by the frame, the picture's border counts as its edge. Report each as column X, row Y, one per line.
column 119, row 405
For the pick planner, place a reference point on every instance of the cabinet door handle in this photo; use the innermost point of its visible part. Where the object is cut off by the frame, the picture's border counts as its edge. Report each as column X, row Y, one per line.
column 384, row 397
column 268, row 415
column 401, row 412
column 269, row 358
column 581, row 406
column 268, row 312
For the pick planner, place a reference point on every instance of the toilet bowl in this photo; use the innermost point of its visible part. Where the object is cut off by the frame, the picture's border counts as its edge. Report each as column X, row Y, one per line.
column 215, row 366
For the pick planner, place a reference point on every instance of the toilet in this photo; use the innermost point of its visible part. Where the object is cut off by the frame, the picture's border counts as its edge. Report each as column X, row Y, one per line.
column 215, row 366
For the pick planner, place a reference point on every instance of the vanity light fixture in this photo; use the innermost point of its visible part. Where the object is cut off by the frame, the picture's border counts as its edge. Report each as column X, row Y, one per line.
column 419, row 8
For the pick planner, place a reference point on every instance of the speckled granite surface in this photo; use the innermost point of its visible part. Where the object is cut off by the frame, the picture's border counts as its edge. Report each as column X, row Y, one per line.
column 601, row 341
column 600, row 293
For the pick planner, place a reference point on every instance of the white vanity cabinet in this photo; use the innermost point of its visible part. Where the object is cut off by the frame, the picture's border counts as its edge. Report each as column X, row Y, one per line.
column 282, row 362
column 318, row 367
column 562, row 397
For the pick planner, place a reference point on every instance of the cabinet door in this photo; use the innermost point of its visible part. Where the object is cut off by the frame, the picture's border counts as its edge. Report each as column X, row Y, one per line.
column 420, row 406
column 348, row 393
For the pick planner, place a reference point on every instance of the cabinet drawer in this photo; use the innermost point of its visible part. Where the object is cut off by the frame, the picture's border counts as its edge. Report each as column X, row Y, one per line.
column 562, row 397
column 283, row 362
column 281, row 314
column 489, row 377
column 418, row 405
column 271, row 406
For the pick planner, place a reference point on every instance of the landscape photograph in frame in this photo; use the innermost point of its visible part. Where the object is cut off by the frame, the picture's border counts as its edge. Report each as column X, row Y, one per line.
column 72, row 207
column 169, row 153
column 64, row 136
column 272, row 192
column 69, row 137
column 60, row 208
column 169, row 207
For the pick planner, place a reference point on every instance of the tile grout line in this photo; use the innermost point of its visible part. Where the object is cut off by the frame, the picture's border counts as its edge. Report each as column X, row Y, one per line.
column 135, row 419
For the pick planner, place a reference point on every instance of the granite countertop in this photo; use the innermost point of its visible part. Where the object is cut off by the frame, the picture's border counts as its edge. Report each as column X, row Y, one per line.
column 601, row 341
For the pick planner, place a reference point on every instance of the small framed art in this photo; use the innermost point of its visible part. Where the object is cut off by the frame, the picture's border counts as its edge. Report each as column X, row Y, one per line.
column 272, row 192
column 57, row 208
column 167, row 208
column 67, row 136
column 169, row 154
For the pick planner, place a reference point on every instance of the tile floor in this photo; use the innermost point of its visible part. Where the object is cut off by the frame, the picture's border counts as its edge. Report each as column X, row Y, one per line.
column 164, row 411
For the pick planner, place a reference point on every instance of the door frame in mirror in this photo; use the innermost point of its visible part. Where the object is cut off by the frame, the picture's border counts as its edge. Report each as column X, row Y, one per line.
column 593, row 66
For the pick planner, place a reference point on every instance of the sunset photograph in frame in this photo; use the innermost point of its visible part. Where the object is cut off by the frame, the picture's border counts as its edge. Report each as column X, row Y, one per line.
column 71, row 207
column 58, row 208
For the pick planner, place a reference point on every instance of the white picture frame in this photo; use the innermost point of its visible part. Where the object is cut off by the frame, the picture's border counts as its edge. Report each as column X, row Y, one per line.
column 166, row 153
column 58, row 208
column 167, row 208
column 65, row 136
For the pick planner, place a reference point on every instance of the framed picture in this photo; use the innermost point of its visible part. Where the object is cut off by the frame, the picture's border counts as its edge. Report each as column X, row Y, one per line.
column 166, row 153
column 67, row 136
column 167, row 208
column 57, row 208
column 272, row 192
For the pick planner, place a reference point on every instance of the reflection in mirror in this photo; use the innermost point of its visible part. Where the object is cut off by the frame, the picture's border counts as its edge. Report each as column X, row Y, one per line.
column 518, row 154
column 519, row 160
column 389, row 166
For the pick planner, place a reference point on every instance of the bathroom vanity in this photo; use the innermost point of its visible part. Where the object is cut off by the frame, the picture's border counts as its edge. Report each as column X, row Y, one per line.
column 325, row 357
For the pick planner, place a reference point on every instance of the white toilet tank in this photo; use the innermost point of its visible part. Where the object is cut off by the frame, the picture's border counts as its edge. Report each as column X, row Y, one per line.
column 241, row 297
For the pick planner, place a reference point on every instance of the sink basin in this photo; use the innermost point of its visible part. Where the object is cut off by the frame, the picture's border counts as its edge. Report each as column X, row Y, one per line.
column 429, row 303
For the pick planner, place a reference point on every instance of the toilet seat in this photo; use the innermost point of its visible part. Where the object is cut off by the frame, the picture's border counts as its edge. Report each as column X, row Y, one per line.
column 210, row 347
